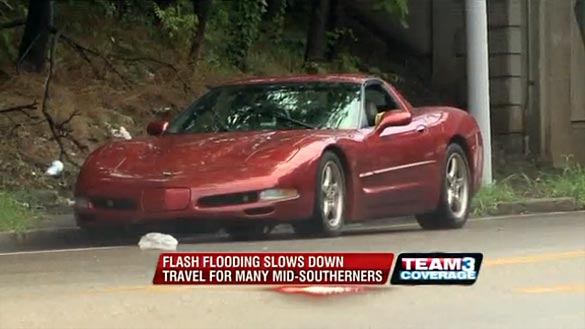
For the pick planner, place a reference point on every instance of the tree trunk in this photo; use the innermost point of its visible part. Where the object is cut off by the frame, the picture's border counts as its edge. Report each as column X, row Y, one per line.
column 317, row 34
column 33, row 46
column 333, row 22
column 201, row 8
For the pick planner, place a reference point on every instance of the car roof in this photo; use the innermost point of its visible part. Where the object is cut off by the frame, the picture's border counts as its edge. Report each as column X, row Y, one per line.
column 342, row 77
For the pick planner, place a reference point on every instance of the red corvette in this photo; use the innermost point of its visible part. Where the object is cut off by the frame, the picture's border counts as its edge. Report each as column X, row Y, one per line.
column 314, row 151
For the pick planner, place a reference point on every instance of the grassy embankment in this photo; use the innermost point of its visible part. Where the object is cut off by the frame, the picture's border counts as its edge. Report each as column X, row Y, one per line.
column 531, row 183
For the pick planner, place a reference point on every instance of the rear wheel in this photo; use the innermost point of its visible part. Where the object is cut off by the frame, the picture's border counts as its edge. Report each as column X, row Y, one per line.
column 454, row 204
column 329, row 211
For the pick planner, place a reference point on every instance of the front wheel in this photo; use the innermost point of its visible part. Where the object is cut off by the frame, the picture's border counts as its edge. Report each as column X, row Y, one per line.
column 329, row 210
column 454, row 204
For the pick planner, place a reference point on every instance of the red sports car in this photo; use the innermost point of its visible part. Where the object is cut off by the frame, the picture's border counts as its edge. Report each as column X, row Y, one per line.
column 315, row 151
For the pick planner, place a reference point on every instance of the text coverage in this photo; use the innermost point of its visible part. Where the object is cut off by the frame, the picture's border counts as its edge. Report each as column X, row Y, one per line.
column 206, row 268
column 317, row 268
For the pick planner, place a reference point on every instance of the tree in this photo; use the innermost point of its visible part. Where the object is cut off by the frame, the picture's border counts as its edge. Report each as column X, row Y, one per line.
column 274, row 8
column 324, row 19
column 34, row 44
column 246, row 16
column 317, row 34
column 201, row 8
column 274, row 16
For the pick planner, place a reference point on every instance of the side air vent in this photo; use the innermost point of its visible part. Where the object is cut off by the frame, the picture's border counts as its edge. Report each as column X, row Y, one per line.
column 228, row 199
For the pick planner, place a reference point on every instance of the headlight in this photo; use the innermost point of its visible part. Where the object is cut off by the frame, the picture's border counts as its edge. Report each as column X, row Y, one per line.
column 82, row 203
column 278, row 194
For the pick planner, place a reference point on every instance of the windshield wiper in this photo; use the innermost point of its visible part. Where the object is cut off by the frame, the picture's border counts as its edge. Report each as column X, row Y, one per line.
column 291, row 120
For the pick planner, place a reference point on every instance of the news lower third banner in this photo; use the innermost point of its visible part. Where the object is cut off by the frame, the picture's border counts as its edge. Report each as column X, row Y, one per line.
column 316, row 268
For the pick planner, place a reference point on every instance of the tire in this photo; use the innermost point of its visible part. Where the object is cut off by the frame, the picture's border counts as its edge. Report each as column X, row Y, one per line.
column 248, row 231
column 455, row 199
column 330, row 199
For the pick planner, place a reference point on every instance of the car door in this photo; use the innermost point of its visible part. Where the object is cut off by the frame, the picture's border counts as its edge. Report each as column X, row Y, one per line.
column 398, row 158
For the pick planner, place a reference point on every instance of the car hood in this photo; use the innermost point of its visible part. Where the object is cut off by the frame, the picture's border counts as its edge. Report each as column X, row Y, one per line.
column 184, row 155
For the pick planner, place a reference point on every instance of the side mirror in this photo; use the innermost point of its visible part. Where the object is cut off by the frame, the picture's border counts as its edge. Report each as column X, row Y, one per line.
column 157, row 128
column 393, row 118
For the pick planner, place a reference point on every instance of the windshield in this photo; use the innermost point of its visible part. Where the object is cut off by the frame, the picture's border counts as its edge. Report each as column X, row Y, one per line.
column 306, row 105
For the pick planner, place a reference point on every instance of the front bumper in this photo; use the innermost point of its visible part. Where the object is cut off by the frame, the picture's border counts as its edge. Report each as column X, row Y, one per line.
column 124, row 205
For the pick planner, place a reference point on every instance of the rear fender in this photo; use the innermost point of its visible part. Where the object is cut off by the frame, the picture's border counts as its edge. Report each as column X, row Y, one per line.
column 466, row 129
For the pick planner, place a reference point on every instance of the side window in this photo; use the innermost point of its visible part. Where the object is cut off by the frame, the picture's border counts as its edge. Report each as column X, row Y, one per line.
column 377, row 100
column 378, row 95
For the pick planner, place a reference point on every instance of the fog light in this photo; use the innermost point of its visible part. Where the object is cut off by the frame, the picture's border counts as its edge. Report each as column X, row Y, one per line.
column 82, row 203
column 278, row 194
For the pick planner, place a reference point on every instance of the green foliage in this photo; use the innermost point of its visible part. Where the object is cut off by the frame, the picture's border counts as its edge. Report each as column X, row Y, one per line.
column 110, row 8
column 339, row 37
column 13, row 215
column 550, row 183
column 398, row 8
column 215, row 37
column 348, row 63
column 136, row 11
column 277, row 21
column 245, row 19
column 333, row 37
column 488, row 198
column 178, row 22
column 570, row 183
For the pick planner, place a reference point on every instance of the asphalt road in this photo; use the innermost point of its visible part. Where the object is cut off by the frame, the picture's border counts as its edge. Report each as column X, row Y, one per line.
column 533, row 277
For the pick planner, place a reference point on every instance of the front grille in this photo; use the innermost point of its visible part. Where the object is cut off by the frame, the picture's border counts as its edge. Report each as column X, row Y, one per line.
column 228, row 199
column 114, row 203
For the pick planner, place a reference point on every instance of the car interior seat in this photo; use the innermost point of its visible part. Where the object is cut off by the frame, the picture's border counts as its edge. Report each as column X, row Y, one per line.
column 371, row 113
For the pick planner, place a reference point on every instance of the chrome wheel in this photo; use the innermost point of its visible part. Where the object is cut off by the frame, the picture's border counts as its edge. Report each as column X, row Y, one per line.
column 457, row 185
column 332, row 194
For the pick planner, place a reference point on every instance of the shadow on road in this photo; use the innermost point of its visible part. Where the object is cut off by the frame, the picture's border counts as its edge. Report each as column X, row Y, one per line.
column 81, row 239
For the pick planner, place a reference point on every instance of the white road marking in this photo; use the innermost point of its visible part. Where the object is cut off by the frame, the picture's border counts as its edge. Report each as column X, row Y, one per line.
column 357, row 228
column 60, row 250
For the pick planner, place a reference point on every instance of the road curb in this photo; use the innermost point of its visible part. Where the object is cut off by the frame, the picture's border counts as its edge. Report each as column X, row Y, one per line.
column 65, row 237
column 62, row 236
column 537, row 206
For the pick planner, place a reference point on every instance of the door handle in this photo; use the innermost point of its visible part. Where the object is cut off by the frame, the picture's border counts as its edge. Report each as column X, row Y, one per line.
column 421, row 128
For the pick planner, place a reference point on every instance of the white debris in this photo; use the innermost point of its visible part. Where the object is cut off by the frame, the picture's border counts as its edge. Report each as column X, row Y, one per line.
column 120, row 133
column 158, row 241
column 70, row 202
column 162, row 110
column 55, row 169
